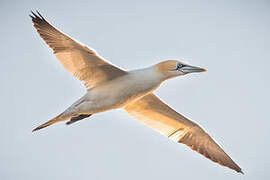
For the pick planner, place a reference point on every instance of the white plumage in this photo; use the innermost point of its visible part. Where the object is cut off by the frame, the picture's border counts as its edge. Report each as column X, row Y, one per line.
column 109, row 87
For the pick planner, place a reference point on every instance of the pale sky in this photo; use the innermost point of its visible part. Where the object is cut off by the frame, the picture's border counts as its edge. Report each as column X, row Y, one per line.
column 231, row 101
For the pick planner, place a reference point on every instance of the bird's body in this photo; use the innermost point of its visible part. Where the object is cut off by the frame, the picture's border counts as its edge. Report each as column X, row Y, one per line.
column 121, row 91
column 109, row 87
column 116, row 93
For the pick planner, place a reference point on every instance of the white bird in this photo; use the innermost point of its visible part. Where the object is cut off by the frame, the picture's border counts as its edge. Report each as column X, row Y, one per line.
column 109, row 87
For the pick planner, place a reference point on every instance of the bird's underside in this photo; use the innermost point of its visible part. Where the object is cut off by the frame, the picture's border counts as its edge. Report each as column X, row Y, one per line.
column 86, row 65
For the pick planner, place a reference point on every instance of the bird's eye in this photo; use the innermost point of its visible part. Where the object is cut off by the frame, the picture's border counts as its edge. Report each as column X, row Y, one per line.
column 180, row 65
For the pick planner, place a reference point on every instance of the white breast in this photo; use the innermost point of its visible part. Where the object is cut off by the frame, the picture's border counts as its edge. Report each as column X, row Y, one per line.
column 121, row 91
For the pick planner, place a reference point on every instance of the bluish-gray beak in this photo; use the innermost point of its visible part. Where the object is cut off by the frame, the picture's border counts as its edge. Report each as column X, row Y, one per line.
column 192, row 69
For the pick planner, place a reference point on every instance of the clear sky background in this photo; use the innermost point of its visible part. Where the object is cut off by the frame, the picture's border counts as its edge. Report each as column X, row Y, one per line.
column 231, row 101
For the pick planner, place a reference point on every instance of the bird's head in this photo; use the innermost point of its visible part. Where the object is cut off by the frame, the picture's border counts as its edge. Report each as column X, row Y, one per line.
column 173, row 68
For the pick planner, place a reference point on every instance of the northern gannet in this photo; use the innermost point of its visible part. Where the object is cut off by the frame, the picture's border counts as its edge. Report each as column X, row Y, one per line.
column 109, row 87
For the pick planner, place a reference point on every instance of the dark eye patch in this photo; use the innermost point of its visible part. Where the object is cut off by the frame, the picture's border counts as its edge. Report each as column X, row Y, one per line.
column 179, row 65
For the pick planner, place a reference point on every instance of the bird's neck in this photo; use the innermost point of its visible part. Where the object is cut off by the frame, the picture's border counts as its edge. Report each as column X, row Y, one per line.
column 149, row 74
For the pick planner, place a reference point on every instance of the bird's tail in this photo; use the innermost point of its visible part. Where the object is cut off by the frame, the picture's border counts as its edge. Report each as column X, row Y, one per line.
column 53, row 121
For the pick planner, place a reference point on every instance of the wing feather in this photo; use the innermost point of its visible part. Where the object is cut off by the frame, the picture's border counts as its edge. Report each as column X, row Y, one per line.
column 155, row 114
column 81, row 61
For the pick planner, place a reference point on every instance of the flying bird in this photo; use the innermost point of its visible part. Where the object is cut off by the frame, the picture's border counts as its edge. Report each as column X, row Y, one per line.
column 109, row 87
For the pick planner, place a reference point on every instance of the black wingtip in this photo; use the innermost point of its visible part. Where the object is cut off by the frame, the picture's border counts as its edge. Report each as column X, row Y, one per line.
column 36, row 129
column 36, row 15
column 32, row 14
column 40, row 15
column 241, row 172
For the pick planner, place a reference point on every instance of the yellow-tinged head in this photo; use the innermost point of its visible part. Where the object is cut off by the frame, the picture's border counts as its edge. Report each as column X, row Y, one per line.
column 173, row 68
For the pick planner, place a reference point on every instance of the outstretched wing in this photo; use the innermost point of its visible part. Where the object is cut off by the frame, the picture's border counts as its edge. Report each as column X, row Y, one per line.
column 81, row 61
column 151, row 111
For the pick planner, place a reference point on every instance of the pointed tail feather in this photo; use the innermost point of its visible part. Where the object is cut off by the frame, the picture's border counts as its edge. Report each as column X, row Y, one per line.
column 53, row 121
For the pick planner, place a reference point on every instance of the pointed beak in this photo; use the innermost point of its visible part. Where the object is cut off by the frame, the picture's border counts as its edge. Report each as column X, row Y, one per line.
column 192, row 69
